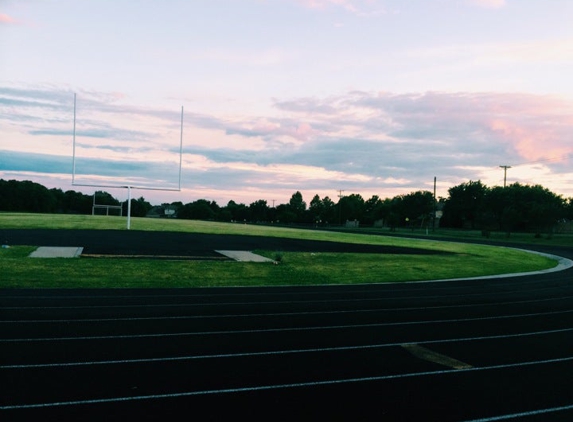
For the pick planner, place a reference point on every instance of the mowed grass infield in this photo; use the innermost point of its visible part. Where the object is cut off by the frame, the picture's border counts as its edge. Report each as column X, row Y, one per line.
column 295, row 268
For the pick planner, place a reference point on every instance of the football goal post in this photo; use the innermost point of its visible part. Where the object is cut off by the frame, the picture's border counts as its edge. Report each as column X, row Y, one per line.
column 127, row 186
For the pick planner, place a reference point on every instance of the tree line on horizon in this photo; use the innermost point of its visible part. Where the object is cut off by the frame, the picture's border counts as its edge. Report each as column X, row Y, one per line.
column 470, row 205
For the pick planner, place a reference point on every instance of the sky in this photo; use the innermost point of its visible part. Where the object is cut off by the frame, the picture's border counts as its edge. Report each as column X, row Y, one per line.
column 325, row 97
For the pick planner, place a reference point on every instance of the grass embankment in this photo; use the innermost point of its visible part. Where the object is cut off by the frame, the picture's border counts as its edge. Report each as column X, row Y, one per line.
column 555, row 239
column 295, row 268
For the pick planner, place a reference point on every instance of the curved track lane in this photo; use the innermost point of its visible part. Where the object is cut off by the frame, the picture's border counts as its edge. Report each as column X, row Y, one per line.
column 488, row 350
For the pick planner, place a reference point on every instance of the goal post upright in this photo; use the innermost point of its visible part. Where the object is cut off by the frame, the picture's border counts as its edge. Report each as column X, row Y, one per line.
column 74, row 144
column 128, row 207
column 181, row 148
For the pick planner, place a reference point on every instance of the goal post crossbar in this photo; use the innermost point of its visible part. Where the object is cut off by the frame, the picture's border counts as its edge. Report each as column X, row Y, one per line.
column 126, row 187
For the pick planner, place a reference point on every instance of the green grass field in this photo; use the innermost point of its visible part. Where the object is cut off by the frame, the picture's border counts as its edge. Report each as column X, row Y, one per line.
column 295, row 268
column 556, row 239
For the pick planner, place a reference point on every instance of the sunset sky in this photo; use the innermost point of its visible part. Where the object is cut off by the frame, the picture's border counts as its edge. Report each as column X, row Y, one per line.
column 374, row 97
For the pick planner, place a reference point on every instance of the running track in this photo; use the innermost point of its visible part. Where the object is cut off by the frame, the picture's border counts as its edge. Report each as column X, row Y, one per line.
column 493, row 349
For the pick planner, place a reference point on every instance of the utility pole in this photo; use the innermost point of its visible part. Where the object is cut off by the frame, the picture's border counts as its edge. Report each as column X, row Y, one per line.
column 505, row 174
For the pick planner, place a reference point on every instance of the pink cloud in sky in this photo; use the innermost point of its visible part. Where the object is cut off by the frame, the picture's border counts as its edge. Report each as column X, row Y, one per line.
column 538, row 127
column 5, row 19
column 528, row 127
column 533, row 143
column 267, row 128
column 302, row 132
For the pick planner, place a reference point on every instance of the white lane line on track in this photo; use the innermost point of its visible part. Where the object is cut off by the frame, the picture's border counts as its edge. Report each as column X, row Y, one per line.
column 234, row 316
column 280, row 330
column 345, row 300
column 284, row 352
column 281, row 386
column 523, row 414
column 191, row 305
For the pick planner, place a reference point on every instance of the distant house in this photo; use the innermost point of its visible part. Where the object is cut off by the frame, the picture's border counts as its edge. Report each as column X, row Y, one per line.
column 564, row 226
column 161, row 211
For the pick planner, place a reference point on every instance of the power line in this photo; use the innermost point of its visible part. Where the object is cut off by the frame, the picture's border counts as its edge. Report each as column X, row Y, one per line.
column 546, row 160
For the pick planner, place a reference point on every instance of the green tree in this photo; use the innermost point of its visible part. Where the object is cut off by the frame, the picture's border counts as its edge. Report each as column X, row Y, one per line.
column 285, row 215
column 77, row 202
column 329, row 210
column 465, row 205
column 237, row 212
column 105, row 198
column 139, row 207
column 26, row 196
column 351, row 207
column 316, row 209
column 259, row 210
column 418, row 206
column 201, row 209
column 297, row 206
column 526, row 208
column 59, row 197
column 501, row 206
column 396, row 216
column 373, row 210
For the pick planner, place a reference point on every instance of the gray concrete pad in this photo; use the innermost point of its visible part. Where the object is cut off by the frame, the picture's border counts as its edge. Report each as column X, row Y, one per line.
column 57, row 252
column 244, row 256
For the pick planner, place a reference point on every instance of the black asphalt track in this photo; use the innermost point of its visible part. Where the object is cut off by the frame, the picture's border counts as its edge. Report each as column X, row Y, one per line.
column 190, row 245
column 491, row 349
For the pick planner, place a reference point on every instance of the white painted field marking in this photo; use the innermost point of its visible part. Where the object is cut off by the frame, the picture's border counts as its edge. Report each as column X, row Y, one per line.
column 277, row 314
column 524, row 414
column 431, row 356
column 270, row 330
column 281, row 352
column 280, row 386
column 288, row 302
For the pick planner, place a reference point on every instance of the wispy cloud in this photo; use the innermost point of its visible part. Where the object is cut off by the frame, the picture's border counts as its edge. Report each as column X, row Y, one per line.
column 264, row 58
column 361, row 8
column 490, row 4
column 494, row 55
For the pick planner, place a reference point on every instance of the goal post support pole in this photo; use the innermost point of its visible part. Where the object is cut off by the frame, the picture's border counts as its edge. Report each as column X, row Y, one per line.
column 128, row 207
